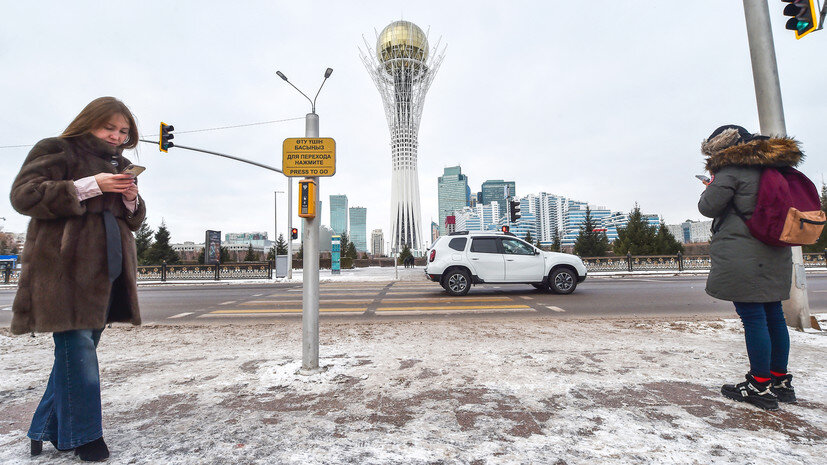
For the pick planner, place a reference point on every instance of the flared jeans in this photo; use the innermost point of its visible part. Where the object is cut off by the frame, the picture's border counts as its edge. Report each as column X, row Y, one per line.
column 765, row 331
column 69, row 413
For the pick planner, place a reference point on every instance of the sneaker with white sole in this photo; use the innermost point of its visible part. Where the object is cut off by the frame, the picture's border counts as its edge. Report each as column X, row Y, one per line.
column 753, row 392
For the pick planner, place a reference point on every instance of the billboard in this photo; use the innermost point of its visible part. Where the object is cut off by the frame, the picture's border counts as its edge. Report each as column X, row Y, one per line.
column 212, row 247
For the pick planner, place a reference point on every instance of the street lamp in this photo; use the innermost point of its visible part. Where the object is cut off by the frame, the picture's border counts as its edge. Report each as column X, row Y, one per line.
column 310, row 239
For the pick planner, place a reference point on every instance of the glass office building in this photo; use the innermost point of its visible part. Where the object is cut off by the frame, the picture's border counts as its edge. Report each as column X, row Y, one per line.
column 453, row 192
column 338, row 213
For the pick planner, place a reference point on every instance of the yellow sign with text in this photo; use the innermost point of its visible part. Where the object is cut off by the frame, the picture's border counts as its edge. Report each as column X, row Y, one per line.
column 308, row 156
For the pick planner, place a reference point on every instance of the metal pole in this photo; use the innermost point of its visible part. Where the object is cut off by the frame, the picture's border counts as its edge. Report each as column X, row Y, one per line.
column 771, row 119
column 310, row 272
column 276, row 225
column 289, row 228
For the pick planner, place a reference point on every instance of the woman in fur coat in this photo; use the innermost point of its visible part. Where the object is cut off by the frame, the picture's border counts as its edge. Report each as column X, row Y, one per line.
column 754, row 276
column 78, row 265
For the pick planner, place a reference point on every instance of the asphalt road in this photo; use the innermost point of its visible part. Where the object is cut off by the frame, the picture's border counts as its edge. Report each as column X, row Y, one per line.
column 640, row 296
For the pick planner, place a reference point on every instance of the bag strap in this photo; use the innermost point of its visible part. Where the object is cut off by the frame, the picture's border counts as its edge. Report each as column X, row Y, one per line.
column 716, row 224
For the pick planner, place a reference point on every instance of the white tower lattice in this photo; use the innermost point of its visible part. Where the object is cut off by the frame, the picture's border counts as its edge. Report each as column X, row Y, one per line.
column 403, row 71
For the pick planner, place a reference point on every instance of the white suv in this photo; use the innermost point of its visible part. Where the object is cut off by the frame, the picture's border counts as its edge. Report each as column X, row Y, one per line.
column 461, row 259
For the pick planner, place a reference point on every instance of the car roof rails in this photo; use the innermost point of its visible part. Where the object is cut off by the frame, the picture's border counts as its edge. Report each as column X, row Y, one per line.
column 458, row 233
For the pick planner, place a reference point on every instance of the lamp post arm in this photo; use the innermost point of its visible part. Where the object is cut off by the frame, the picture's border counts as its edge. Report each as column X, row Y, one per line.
column 317, row 95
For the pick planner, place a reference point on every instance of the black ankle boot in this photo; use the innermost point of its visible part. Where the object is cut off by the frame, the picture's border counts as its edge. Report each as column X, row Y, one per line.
column 95, row 451
column 782, row 387
column 753, row 392
column 37, row 447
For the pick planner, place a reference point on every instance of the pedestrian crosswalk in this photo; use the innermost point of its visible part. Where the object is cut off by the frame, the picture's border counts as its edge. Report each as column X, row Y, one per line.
column 374, row 298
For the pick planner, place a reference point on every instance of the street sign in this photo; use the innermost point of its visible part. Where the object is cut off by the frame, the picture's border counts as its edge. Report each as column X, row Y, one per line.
column 306, row 156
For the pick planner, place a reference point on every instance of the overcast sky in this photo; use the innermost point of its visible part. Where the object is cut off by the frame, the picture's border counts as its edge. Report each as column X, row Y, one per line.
column 607, row 105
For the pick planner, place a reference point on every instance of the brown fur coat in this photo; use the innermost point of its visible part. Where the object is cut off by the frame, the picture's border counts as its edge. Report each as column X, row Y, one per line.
column 64, row 283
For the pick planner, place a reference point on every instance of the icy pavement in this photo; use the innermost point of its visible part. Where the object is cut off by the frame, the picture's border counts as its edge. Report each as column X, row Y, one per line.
column 467, row 391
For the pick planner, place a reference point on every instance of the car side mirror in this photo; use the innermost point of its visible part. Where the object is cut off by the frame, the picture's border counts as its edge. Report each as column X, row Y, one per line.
column 536, row 252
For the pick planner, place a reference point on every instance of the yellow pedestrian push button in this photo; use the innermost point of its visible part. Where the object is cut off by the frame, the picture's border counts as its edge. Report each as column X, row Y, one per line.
column 307, row 198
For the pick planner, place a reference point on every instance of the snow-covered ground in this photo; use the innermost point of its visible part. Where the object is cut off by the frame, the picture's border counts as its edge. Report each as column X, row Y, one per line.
column 475, row 391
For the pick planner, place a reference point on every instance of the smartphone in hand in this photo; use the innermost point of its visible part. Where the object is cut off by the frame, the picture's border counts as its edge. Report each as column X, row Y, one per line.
column 133, row 170
column 704, row 179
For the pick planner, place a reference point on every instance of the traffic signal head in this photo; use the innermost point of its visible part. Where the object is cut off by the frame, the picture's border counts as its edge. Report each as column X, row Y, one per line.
column 803, row 16
column 294, row 233
column 165, row 140
column 514, row 210
column 505, row 229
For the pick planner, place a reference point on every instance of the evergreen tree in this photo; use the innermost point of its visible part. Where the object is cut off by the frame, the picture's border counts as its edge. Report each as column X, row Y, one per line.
column 300, row 253
column 821, row 243
column 224, row 255
column 590, row 243
column 555, row 241
column 665, row 242
column 637, row 238
column 271, row 253
column 143, row 240
column 281, row 245
column 405, row 253
column 200, row 258
column 344, row 242
column 351, row 251
column 160, row 250
column 528, row 237
column 251, row 256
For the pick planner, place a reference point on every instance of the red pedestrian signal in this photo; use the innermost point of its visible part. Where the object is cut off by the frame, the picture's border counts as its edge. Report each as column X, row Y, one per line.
column 294, row 233
column 505, row 229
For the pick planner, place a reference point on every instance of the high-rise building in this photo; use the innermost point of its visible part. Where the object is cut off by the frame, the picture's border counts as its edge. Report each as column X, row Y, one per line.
column 497, row 190
column 338, row 213
column 453, row 193
column 691, row 231
column 377, row 242
column 358, row 228
column 402, row 69
column 434, row 231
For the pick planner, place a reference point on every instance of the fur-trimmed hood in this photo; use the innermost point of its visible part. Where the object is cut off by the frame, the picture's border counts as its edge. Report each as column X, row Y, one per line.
column 773, row 152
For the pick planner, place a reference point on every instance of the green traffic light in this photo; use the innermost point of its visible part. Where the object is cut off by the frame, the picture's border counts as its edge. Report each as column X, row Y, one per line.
column 802, row 25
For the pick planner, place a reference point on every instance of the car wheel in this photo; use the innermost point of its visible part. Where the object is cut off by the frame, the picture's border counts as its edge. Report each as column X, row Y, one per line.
column 458, row 282
column 563, row 281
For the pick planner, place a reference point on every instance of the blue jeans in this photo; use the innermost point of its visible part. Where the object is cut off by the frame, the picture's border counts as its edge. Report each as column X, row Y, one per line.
column 70, row 410
column 768, row 342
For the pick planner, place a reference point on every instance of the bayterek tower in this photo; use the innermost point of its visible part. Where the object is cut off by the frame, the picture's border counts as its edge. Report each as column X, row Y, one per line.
column 403, row 70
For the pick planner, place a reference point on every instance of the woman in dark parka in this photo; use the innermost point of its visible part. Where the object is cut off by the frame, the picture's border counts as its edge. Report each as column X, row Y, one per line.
column 754, row 276
column 78, row 264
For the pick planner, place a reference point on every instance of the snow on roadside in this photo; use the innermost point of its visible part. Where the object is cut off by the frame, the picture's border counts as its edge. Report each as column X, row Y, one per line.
column 450, row 390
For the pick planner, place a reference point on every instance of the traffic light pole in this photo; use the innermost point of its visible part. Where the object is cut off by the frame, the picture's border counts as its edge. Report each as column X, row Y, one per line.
column 310, row 273
column 771, row 120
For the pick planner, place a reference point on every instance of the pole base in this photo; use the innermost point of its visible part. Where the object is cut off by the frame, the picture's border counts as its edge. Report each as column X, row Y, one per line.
column 310, row 371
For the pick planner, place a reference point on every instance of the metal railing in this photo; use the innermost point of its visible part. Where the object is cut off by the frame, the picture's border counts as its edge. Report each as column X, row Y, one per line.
column 243, row 270
column 678, row 262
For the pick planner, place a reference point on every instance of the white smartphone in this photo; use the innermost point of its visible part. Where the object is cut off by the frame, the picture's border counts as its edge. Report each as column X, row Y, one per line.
column 133, row 170
column 703, row 178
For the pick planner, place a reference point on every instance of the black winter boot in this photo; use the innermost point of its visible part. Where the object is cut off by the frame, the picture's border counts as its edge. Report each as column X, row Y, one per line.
column 95, row 451
column 753, row 392
column 782, row 387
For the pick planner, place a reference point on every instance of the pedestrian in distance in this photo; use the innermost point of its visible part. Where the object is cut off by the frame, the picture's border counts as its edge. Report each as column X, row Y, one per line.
column 79, row 265
column 751, row 274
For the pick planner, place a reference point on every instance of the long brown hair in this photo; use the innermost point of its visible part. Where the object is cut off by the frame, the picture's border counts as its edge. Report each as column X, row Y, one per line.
column 96, row 114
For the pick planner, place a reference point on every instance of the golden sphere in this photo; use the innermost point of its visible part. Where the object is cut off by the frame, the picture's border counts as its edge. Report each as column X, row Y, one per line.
column 402, row 39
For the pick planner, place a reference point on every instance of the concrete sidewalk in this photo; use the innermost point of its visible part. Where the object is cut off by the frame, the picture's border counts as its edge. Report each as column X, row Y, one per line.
column 457, row 390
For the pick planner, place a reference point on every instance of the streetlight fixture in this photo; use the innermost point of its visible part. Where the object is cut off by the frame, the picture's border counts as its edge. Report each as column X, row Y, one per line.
column 310, row 240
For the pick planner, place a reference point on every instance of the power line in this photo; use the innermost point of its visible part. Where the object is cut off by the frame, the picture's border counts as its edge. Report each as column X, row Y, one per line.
column 189, row 132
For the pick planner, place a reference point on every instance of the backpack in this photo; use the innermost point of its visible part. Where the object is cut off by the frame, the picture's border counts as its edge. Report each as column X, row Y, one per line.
column 787, row 210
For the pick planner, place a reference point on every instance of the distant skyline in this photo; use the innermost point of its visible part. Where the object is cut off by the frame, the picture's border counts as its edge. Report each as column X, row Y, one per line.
column 612, row 113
